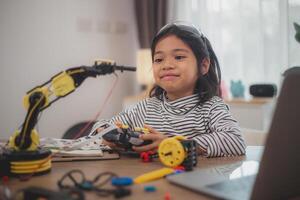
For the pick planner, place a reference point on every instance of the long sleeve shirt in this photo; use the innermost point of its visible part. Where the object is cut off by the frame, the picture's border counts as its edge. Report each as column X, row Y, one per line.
column 210, row 124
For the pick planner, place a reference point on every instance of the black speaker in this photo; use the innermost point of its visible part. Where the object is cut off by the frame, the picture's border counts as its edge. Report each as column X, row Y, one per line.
column 263, row 90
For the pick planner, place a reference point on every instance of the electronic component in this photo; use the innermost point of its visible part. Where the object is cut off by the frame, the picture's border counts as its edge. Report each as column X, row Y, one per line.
column 177, row 151
column 148, row 156
column 125, row 137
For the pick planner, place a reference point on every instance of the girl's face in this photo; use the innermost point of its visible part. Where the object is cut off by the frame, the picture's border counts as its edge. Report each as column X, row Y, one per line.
column 175, row 67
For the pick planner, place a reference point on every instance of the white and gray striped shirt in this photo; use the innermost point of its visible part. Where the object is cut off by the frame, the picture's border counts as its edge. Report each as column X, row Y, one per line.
column 210, row 124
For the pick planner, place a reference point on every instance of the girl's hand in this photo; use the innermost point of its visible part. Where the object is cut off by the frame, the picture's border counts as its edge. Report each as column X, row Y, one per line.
column 153, row 135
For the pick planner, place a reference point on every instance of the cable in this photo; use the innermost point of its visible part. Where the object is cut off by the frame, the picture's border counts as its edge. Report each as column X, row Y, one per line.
column 79, row 134
column 76, row 179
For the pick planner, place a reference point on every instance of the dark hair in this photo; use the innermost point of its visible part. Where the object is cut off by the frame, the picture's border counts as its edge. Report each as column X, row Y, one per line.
column 207, row 85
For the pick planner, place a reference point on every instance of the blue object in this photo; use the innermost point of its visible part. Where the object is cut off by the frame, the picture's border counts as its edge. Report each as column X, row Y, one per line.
column 178, row 171
column 237, row 89
column 150, row 188
column 121, row 181
column 86, row 185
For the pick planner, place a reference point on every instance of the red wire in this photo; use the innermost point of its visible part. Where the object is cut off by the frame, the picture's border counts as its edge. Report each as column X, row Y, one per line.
column 80, row 133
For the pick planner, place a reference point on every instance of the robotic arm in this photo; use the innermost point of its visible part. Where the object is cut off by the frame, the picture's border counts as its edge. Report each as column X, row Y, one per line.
column 23, row 155
column 60, row 85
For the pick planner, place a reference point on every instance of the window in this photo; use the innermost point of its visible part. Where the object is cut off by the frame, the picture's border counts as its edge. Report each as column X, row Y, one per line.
column 250, row 37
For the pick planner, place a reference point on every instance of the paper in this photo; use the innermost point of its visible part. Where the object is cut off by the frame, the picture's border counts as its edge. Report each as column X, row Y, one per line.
column 92, row 152
column 63, row 149
column 84, row 148
column 107, row 155
column 72, row 144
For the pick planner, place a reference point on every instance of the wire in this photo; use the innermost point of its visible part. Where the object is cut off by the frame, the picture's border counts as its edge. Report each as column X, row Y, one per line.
column 109, row 175
column 80, row 133
column 76, row 179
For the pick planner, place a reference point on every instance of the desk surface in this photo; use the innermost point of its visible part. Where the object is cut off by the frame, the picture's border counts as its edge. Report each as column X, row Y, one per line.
column 132, row 167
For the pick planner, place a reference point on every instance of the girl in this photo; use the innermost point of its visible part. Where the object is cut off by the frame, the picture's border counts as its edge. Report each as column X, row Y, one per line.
column 186, row 97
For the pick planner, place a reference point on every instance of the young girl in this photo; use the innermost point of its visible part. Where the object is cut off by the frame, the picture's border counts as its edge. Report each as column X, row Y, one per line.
column 186, row 97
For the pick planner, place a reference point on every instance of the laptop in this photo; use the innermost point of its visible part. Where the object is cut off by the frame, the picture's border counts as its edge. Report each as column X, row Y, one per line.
column 278, row 175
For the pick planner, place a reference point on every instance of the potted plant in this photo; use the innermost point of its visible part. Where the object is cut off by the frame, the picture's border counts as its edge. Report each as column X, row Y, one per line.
column 297, row 35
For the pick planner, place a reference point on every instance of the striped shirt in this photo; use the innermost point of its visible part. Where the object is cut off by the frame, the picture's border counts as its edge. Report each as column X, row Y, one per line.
column 210, row 124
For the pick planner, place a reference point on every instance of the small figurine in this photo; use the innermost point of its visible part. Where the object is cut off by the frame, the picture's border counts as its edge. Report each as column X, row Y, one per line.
column 237, row 89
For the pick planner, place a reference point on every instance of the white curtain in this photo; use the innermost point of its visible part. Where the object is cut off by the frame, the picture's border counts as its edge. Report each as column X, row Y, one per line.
column 250, row 37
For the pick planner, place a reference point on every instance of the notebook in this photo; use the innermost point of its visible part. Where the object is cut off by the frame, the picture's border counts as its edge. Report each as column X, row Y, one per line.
column 278, row 175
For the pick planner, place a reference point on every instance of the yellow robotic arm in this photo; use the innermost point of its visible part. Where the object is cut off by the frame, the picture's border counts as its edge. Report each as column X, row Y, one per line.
column 24, row 144
column 37, row 100
column 60, row 86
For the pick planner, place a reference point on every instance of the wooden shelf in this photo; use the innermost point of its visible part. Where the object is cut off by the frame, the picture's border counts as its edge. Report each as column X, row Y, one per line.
column 254, row 101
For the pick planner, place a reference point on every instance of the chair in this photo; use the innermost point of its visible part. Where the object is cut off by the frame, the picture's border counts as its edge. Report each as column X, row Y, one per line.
column 73, row 131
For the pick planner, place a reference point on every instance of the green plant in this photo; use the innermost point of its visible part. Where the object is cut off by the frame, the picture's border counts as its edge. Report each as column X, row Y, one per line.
column 297, row 35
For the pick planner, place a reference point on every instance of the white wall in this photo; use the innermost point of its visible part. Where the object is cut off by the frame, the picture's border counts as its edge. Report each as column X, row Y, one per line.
column 38, row 39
